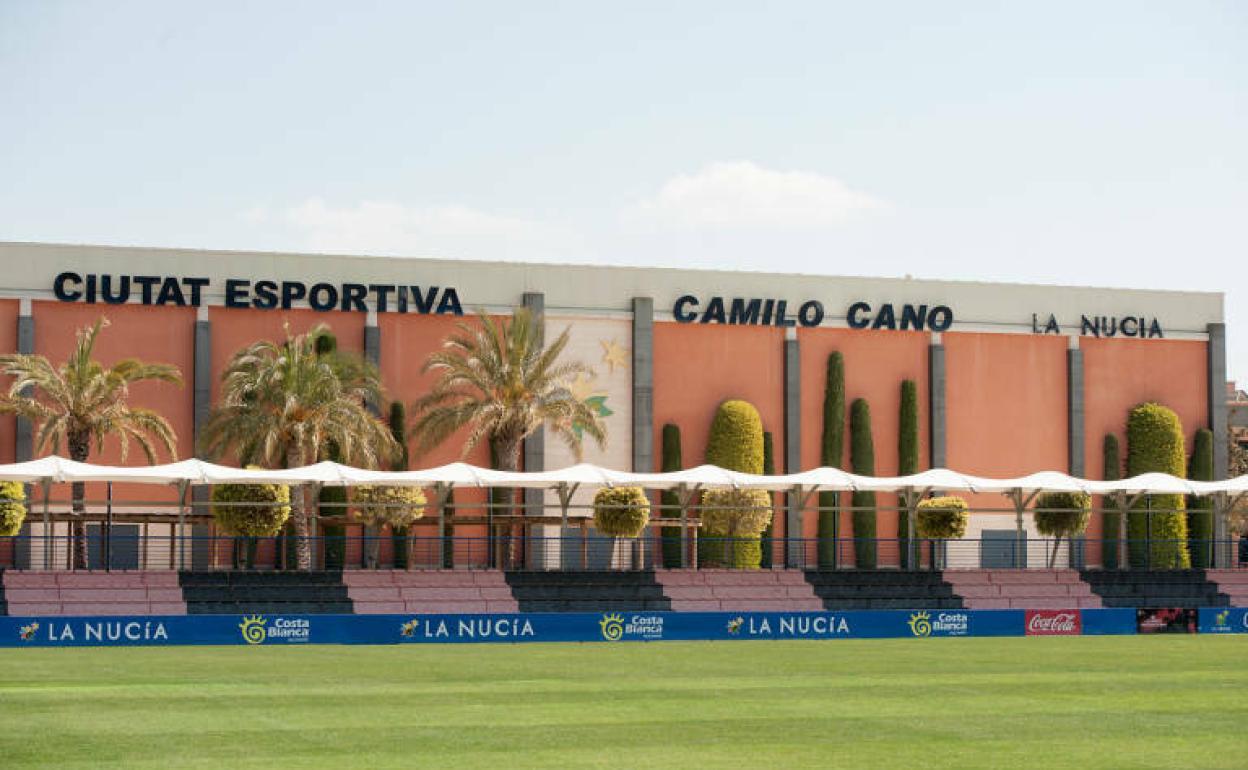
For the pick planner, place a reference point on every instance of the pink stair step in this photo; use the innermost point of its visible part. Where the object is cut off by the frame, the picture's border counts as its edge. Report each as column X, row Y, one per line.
column 46, row 595
column 441, row 593
column 18, row 609
column 502, row 606
column 977, row 591
column 1023, row 591
column 696, row 605
column 167, row 608
column 104, row 608
column 104, row 594
column 1030, row 577
column 380, row 608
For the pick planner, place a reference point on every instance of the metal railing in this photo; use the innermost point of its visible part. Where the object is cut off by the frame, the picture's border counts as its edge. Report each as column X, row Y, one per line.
column 584, row 550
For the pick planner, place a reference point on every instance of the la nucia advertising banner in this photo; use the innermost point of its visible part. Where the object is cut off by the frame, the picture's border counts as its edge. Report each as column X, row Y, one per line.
column 605, row 627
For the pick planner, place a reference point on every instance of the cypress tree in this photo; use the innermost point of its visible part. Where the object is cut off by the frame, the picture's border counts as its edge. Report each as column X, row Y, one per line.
column 1111, row 517
column 397, row 421
column 862, row 459
column 332, row 501
column 831, row 450
column 907, row 460
column 769, row 469
column 1200, row 509
column 670, row 504
column 1157, row 525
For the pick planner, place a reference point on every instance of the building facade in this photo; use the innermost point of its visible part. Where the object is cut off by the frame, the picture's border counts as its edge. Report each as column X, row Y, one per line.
column 1011, row 378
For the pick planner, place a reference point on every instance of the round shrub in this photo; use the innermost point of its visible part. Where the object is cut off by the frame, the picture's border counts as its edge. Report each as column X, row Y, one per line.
column 268, row 510
column 736, row 438
column 941, row 518
column 378, row 505
column 732, row 520
column 621, row 511
column 12, row 507
column 1063, row 514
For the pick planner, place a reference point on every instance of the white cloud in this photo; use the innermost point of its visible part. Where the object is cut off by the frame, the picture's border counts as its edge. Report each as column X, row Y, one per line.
column 381, row 227
column 744, row 195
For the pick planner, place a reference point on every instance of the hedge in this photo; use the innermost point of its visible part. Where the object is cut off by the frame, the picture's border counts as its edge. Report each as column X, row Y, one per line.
column 1062, row 514
column 732, row 520
column 669, row 502
column 1200, row 509
column 1111, row 517
column 736, row 438
column 12, row 507
column 621, row 511
column 831, row 452
column 862, row 459
column 907, row 460
column 264, row 518
column 941, row 518
column 1156, row 525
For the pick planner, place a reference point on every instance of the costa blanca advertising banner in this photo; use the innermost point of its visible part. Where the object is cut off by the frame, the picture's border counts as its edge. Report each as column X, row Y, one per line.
column 276, row 629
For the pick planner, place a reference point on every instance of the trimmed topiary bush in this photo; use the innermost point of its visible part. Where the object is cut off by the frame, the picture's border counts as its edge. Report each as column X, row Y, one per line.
column 907, row 460
column 251, row 510
column 941, row 518
column 12, row 507
column 670, row 504
column 862, row 460
column 736, row 438
column 735, row 443
column 831, row 455
column 1111, row 517
column 1156, row 525
column 1200, row 509
column 1062, row 514
column 732, row 520
column 381, row 505
column 621, row 511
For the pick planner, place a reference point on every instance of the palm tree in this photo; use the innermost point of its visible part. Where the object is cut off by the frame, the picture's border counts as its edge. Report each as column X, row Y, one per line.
column 82, row 403
column 497, row 380
column 285, row 403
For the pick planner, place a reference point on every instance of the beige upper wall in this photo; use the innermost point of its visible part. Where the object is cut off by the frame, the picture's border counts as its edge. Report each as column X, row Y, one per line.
column 29, row 269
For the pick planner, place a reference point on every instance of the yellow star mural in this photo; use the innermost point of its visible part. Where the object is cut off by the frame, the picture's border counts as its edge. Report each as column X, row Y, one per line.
column 613, row 355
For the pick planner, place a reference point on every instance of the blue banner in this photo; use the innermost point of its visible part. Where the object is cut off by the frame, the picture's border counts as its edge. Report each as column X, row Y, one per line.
column 271, row 629
column 1223, row 620
column 1106, row 622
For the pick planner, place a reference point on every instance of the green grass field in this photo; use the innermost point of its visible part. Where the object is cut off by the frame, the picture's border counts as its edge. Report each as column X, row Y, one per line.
column 1040, row 702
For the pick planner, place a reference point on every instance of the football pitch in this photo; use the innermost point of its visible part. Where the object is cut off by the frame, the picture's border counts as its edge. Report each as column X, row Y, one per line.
column 1077, row 702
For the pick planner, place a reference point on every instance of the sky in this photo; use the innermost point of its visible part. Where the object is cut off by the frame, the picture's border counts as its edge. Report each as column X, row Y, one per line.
column 1081, row 143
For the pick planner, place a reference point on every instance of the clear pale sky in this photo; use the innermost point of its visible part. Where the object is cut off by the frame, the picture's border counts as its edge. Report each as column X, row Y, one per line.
column 1100, row 143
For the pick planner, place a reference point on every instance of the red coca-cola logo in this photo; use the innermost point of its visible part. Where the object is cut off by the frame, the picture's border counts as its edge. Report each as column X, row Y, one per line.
column 1054, row 623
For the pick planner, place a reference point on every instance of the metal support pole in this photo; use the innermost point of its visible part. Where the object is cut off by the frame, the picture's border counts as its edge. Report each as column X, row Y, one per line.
column 682, row 498
column 46, row 485
column 108, row 528
column 180, row 534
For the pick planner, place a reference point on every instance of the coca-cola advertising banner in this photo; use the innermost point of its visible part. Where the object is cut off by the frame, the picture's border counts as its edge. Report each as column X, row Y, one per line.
column 1054, row 623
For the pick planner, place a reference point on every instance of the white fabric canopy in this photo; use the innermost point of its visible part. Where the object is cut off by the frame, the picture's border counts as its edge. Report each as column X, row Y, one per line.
column 55, row 469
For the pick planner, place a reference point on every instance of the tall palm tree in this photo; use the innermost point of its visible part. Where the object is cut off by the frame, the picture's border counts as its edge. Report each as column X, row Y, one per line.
column 497, row 379
column 285, row 403
column 81, row 403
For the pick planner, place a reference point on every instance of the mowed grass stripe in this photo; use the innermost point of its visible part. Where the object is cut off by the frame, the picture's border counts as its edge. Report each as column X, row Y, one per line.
column 1060, row 702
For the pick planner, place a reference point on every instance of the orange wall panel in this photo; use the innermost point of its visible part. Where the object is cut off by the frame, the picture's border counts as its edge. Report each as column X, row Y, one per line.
column 697, row 367
column 1005, row 403
column 1121, row 373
